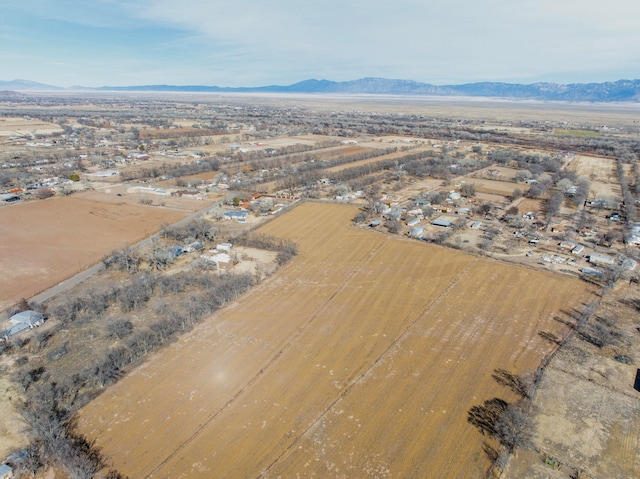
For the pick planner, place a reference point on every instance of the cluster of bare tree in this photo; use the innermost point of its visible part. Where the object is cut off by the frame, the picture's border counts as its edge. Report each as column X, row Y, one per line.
column 203, row 165
column 286, row 249
column 601, row 331
column 52, row 396
column 511, row 424
column 48, row 412
column 288, row 153
column 629, row 200
column 198, row 229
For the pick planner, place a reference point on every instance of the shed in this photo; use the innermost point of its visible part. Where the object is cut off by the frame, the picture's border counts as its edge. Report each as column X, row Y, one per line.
column 592, row 272
column 629, row 264
column 235, row 215
column 6, row 472
column 222, row 260
column 9, row 197
column 416, row 232
column 224, row 247
column 601, row 259
column 375, row 223
column 196, row 245
column 413, row 222
column 578, row 249
column 394, row 214
column 441, row 222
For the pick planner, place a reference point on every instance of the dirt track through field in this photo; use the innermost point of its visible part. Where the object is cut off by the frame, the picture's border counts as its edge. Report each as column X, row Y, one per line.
column 359, row 359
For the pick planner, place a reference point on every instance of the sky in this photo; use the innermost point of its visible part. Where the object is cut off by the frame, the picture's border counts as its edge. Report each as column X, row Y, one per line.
column 280, row 42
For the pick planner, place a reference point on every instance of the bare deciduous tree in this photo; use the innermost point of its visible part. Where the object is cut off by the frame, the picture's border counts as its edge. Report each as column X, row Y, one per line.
column 514, row 427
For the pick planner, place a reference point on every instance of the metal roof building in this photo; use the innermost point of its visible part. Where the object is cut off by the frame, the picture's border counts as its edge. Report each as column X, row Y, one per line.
column 6, row 472
column 601, row 259
column 441, row 222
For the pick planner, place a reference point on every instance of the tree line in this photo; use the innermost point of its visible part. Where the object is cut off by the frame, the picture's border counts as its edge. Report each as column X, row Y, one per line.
column 53, row 391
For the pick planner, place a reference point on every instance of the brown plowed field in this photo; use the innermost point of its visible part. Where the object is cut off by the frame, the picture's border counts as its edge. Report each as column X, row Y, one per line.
column 496, row 187
column 45, row 242
column 359, row 359
column 355, row 164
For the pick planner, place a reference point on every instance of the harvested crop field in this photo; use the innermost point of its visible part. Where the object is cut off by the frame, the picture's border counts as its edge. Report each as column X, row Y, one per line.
column 26, row 127
column 45, row 242
column 367, row 161
column 504, row 188
column 360, row 358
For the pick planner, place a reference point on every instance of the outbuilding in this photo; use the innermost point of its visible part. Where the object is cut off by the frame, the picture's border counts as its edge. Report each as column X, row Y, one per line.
column 441, row 222
column 578, row 249
column 592, row 272
column 9, row 197
column 235, row 215
column 6, row 472
column 417, row 232
column 221, row 260
column 224, row 247
column 601, row 259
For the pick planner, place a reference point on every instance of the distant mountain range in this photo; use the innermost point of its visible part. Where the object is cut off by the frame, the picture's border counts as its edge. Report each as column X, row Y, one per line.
column 618, row 91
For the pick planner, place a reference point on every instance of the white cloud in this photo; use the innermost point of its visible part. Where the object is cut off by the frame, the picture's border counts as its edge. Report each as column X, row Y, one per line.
column 255, row 42
column 427, row 41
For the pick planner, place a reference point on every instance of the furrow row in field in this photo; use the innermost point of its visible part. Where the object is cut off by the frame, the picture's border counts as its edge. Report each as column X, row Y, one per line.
column 360, row 358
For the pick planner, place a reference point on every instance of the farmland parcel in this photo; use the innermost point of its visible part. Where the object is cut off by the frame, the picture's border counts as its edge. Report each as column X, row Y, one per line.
column 360, row 358
column 45, row 242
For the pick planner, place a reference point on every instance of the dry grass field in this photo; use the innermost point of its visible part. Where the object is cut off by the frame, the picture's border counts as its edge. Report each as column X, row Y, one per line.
column 602, row 172
column 496, row 187
column 587, row 409
column 26, row 127
column 355, row 164
column 45, row 242
column 360, row 358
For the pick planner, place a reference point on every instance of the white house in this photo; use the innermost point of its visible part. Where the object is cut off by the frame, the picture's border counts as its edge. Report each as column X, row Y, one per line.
column 22, row 321
column 222, row 260
column 224, row 247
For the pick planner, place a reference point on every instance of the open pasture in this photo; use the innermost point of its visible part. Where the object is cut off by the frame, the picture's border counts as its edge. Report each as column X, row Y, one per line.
column 45, row 242
column 602, row 172
column 496, row 187
column 360, row 358
column 595, row 168
column 355, row 164
column 26, row 127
